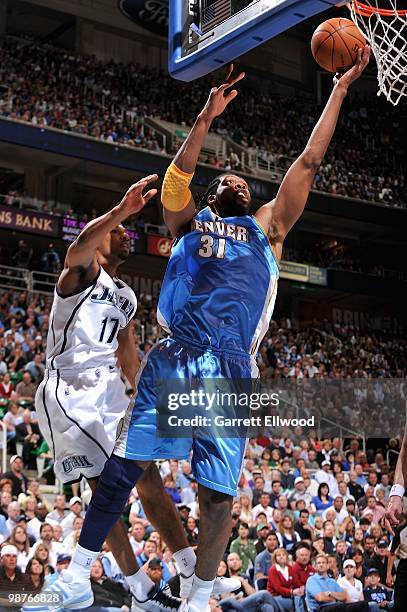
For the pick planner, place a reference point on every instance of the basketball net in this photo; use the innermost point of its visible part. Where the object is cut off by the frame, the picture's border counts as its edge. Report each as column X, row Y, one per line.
column 385, row 30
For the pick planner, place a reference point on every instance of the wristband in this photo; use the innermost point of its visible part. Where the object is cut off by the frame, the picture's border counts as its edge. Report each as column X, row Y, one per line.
column 397, row 490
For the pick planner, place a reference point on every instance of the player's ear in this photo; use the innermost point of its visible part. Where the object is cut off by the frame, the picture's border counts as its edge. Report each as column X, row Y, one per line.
column 211, row 199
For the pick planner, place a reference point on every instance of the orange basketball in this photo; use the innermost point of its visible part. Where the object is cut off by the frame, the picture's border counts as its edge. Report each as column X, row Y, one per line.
column 335, row 44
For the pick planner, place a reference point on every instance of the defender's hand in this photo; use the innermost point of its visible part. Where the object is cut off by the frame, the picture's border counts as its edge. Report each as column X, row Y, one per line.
column 218, row 98
column 348, row 77
column 134, row 199
column 394, row 509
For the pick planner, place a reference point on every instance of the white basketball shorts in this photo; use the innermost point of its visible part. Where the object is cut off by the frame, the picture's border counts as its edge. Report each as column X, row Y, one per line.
column 78, row 414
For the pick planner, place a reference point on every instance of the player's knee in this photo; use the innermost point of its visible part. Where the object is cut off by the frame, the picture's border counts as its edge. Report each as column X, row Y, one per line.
column 116, row 482
column 215, row 504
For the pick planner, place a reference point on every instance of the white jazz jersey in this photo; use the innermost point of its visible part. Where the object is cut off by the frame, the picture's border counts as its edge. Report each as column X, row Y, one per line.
column 82, row 397
column 84, row 326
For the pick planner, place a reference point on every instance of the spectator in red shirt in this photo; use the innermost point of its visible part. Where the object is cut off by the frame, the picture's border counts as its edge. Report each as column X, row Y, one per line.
column 280, row 584
column 6, row 387
column 302, row 569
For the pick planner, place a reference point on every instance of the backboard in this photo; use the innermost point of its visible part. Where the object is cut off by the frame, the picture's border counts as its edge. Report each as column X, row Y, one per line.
column 206, row 34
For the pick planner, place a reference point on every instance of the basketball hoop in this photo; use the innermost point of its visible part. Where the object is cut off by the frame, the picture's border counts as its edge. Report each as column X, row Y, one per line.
column 385, row 30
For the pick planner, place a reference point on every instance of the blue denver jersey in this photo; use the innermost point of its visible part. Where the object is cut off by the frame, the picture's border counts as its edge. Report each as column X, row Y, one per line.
column 220, row 285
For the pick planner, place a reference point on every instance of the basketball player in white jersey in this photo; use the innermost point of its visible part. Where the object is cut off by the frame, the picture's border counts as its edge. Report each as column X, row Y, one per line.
column 82, row 397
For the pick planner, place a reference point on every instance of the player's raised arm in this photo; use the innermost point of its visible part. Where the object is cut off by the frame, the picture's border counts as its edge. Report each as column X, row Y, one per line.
column 81, row 264
column 289, row 204
column 177, row 200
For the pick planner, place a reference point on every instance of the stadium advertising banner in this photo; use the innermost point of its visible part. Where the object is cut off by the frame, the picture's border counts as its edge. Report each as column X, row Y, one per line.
column 28, row 221
column 158, row 245
column 303, row 273
column 71, row 228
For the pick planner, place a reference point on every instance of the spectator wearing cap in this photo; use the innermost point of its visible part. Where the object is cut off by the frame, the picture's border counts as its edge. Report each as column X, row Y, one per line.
column 264, row 559
column 300, row 493
column 376, row 595
column 62, row 563
column 351, row 585
column 154, row 571
column 16, row 475
column 322, row 500
column 75, row 509
column 244, row 547
column 11, row 577
column 324, row 475
column 324, row 593
column 184, row 512
column 380, row 561
column 262, row 531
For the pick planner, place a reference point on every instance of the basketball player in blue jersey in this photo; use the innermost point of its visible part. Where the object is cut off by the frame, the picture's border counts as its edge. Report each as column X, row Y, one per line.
column 216, row 301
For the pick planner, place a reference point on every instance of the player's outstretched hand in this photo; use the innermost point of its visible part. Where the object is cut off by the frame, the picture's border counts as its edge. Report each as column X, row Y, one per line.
column 220, row 96
column 347, row 78
column 134, row 199
column 394, row 509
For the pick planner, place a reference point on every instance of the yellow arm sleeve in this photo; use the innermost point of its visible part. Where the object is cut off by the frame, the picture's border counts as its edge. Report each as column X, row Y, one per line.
column 175, row 193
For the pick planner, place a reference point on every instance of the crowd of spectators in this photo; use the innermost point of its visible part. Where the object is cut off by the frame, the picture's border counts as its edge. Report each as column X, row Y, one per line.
column 47, row 86
column 306, row 506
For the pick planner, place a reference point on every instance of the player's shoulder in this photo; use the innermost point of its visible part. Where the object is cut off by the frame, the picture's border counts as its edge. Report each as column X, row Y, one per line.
column 125, row 289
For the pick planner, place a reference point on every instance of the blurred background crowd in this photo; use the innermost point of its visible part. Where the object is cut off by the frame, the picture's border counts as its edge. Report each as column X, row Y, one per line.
column 300, row 494
column 50, row 87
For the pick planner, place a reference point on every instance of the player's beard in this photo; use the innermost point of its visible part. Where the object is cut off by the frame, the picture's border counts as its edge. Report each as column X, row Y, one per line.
column 232, row 208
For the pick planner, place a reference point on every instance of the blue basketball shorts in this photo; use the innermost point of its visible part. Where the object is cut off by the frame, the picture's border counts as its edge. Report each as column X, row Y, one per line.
column 216, row 460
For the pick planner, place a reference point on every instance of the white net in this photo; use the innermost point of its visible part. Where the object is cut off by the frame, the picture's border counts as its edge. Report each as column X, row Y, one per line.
column 385, row 32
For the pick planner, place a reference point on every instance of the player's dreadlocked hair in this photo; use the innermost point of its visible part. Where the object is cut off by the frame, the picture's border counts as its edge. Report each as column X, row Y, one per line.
column 211, row 190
